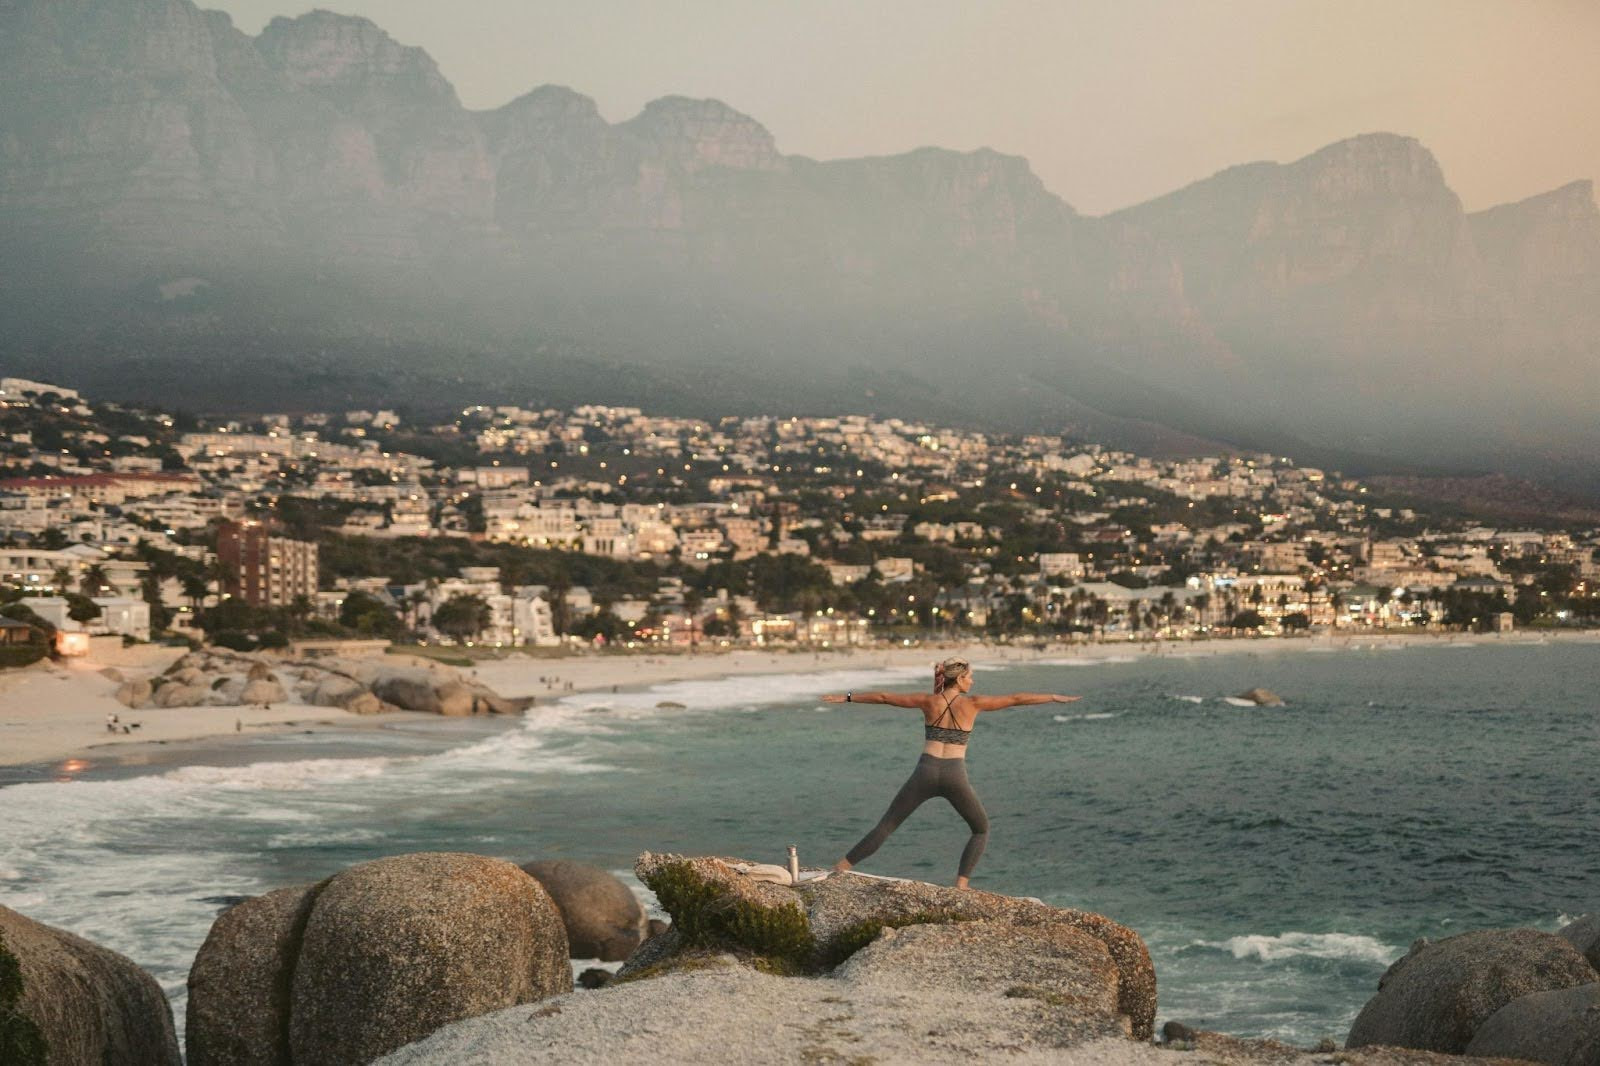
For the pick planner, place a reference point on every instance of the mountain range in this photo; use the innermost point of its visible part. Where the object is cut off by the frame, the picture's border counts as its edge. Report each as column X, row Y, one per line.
column 310, row 217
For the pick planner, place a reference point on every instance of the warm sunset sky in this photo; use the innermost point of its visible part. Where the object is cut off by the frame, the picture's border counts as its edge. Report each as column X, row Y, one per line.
column 1113, row 102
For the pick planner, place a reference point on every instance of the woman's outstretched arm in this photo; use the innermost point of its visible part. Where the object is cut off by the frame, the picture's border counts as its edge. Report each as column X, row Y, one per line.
column 893, row 699
column 1019, row 699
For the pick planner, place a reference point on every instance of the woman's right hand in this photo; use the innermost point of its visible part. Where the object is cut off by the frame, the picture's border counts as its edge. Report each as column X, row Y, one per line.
column 834, row 698
column 1066, row 699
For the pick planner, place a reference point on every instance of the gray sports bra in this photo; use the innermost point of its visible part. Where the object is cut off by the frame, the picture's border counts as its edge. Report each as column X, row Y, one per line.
column 946, row 734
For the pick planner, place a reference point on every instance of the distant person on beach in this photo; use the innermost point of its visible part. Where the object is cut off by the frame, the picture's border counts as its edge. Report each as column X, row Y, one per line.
column 948, row 715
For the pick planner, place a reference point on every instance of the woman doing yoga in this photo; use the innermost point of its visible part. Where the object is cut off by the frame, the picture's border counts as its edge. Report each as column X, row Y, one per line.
column 948, row 714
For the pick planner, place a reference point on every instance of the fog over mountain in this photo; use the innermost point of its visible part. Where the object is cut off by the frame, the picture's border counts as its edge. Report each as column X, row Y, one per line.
column 310, row 217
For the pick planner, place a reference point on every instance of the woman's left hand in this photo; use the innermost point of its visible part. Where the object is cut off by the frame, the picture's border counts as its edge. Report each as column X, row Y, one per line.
column 834, row 698
column 1066, row 699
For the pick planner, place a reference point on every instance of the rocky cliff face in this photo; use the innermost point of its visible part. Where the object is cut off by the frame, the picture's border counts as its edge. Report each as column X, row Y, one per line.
column 148, row 137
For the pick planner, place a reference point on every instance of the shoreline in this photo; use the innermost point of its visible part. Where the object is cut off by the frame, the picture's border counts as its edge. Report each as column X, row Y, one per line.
column 52, row 716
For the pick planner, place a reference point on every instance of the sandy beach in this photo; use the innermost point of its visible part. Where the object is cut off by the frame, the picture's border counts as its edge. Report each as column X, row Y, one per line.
column 53, row 712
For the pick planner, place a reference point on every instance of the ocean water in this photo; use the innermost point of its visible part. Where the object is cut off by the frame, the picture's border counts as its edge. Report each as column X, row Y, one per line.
column 1275, row 860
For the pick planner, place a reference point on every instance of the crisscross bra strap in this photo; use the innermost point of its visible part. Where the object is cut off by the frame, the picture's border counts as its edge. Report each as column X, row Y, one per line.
column 950, row 734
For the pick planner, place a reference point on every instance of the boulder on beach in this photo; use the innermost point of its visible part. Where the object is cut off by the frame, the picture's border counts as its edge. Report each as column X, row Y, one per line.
column 1437, row 996
column 263, row 692
column 456, row 700
column 333, row 690
column 178, row 694
column 1561, row 1028
column 136, row 693
column 604, row 920
column 377, row 956
column 66, row 1000
column 260, row 671
column 1262, row 697
column 1584, row 934
column 818, row 925
column 408, row 692
column 238, row 991
column 363, row 702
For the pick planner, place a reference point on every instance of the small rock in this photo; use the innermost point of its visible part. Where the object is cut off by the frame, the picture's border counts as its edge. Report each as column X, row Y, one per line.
column 1174, row 1032
column 595, row 977
column 604, row 920
column 1262, row 697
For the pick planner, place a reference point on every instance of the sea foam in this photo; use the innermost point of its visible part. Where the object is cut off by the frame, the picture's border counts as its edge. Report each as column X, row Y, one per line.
column 1348, row 946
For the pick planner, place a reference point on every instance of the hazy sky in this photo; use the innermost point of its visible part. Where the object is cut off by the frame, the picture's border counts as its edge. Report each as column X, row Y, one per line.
column 1113, row 102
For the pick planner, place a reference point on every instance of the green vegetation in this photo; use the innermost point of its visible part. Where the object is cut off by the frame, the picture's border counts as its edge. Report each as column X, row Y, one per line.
column 853, row 938
column 21, row 1042
column 708, row 916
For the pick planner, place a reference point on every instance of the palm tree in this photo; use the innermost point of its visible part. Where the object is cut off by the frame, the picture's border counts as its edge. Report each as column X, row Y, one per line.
column 196, row 588
column 95, row 582
column 60, row 578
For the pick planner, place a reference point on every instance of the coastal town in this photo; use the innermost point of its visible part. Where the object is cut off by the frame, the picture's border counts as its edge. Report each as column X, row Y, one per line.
column 509, row 526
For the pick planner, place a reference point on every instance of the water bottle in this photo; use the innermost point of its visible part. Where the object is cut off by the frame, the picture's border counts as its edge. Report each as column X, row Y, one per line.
column 794, row 865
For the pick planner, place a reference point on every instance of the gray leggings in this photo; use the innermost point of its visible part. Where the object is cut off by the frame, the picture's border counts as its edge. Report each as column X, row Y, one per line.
column 932, row 777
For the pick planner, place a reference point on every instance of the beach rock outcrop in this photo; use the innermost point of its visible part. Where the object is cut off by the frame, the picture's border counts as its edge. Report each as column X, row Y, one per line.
column 179, row 694
column 817, row 926
column 375, row 957
column 1584, row 934
column 262, row 691
column 1437, row 996
column 240, row 982
column 66, row 1000
column 135, row 694
column 1561, row 1028
column 1262, row 697
column 604, row 919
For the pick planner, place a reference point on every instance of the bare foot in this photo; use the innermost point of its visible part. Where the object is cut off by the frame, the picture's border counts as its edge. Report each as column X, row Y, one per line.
column 961, row 883
column 842, row 866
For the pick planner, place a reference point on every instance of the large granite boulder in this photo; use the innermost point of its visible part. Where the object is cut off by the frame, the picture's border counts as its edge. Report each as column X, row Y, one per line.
column 604, row 919
column 262, row 691
column 456, row 700
column 178, row 694
column 240, row 981
column 1584, row 934
column 66, row 1000
column 373, row 958
column 1437, row 995
column 1560, row 1027
column 818, row 925
column 334, row 691
column 135, row 693
column 409, row 692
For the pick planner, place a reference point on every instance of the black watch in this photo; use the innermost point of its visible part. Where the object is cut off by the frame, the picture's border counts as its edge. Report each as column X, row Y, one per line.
column 849, row 697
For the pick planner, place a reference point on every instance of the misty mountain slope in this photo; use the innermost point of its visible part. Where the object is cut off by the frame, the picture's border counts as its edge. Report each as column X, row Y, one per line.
column 324, row 191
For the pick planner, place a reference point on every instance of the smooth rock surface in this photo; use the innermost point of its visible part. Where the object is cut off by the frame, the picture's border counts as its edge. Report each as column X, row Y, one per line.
column 91, row 1005
column 604, row 919
column 840, row 914
column 395, row 948
column 1438, row 994
column 1561, row 1028
column 1584, row 934
column 238, row 1013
